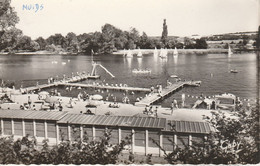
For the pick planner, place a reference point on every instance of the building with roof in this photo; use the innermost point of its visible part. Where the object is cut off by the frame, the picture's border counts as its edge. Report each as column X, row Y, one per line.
column 142, row 131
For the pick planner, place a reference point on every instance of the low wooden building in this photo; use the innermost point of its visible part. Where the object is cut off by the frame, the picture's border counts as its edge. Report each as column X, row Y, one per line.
column 144, row 132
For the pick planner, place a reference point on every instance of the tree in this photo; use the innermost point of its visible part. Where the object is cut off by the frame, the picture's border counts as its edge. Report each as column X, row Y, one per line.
column 8, row 17
column 201, row 44
column 133, row 38
column 56, row 39
column 9, row 38
column 25, row 151
column 164, row 33
column 258, row 38
column 71, row 42
column 24, row 43
column 42, row 43
column 234, row 141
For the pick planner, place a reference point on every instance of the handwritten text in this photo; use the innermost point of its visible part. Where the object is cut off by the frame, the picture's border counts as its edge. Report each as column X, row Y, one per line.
column 33, row 7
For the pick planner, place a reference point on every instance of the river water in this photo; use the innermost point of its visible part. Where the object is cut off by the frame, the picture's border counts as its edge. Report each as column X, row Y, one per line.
column 212, row 69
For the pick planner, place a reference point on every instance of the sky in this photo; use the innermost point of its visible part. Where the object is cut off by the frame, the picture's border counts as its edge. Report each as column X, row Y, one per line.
column 183, row 17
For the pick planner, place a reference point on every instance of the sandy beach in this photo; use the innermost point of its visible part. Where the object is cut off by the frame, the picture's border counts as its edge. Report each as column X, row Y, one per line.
column 79, row 106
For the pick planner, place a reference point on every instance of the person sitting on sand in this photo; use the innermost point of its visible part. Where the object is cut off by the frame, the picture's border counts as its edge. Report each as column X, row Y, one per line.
column 88, row 112
column 155, row 111
column 70, row 103
column 34, row 108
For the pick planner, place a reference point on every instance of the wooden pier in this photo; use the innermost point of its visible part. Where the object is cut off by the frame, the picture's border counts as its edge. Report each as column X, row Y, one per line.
column 72, row 82
column 57, row 83
column 109, row 87
column 152, row 98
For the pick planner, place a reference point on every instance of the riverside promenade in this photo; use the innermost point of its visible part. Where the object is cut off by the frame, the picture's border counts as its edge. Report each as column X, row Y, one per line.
column 152, row 98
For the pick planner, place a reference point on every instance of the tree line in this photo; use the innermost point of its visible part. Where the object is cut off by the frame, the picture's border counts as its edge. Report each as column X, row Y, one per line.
column 110, row 38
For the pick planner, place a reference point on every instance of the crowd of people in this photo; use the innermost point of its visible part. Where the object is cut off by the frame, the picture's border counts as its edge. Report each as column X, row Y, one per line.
column 151, row 111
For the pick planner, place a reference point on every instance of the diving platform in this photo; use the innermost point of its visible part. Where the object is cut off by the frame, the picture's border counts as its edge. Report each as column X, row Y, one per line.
column 152, row 98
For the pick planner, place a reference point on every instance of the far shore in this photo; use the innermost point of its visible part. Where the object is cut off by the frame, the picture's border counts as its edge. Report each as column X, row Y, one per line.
column 180, row 51
column 134, row 51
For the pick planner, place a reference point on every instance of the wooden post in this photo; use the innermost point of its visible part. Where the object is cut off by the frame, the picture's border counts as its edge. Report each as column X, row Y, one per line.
column 190, row 141
column 23, row 125
column 45, row 130
column 119, row 135
column 2, row 127
column 69, row 133
column 34, row 128
column 175, row 141
column 94, row 132
column 161, row 144
column 81, row 132
column 57, row 134
column 12, row 125
column 133, row 140
column 146, row 141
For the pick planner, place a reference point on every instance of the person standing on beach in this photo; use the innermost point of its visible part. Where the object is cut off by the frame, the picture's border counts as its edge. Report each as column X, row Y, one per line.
column 175, row 103
column 172, row 106
column 29, row 101
column 155, row 111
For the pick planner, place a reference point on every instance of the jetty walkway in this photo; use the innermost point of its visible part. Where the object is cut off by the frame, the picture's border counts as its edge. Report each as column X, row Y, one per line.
column 56, row 83
column 72, row 82
column 152, row 98
column 109, row 87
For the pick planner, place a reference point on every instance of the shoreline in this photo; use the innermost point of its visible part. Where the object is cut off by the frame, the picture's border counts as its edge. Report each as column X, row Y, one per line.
column 180, row 51
column 135, row 51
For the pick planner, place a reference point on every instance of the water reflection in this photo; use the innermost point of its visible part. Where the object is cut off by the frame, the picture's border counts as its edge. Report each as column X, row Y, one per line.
column 129, row 62
column 175, row 59
column 139, row 61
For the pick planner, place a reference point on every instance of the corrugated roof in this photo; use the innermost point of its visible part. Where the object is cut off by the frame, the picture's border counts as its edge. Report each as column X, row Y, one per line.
column 188, row 127
column 103, row 120
column 24, row 114
column 122, row 121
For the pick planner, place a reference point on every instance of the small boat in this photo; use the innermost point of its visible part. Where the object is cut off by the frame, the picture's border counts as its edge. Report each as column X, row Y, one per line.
column 174, row 76
column 129, row 54
column 140, row 71
column 54, row 62
column 233, row 71
column 163, row 53
column 229, row 51
column 175, row 52
column 124, row 53
column 139, row 55
column 63, row 63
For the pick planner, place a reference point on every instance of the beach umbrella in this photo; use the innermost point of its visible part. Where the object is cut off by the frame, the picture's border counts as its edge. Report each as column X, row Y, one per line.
column 96, row 97
column 91, row 103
